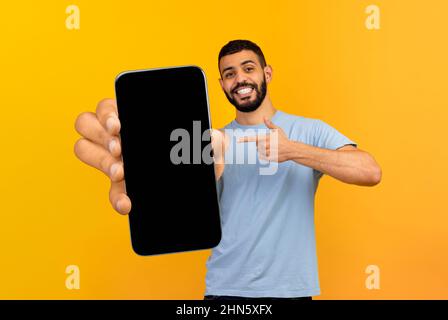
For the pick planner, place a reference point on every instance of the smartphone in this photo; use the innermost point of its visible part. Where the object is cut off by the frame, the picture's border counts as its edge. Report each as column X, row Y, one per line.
column 165, row 137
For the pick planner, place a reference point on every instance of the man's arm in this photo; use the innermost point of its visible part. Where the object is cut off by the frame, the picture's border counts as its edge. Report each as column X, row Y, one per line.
column 220, row 143
column 347, row 164
column 219, row 170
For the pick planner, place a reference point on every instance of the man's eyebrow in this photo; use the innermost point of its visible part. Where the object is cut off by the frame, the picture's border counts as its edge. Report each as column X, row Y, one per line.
column 242, row 63
column 247, row 61
column 225, row 69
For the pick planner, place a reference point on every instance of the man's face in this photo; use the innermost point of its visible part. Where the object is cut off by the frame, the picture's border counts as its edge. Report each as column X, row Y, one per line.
column 243, row 80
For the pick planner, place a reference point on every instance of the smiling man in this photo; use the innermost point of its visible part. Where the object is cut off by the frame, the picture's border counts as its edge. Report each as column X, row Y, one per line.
column 267, row 249
column 268, row 246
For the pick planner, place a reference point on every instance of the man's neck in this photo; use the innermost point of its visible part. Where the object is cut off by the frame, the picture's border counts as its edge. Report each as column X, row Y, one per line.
column 266, row 109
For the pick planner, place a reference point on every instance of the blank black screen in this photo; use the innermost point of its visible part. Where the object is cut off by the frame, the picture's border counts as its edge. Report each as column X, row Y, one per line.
column 174, row 206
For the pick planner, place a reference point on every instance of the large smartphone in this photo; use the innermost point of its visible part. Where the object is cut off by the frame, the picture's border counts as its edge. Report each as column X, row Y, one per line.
column 165, row 123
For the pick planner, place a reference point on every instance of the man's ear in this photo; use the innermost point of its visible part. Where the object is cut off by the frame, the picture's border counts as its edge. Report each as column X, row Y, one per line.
column 220, row 82
column 268, row 73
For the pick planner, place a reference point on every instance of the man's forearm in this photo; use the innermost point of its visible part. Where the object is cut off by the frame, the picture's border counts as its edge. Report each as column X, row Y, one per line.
column 349, row 166
column 219, row 170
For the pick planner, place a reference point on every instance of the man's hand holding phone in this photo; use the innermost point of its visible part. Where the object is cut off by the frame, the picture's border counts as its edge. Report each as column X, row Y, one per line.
column 100, row 147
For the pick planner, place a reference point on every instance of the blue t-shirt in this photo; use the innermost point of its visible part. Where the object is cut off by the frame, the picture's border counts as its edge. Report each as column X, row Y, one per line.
column 268, row 246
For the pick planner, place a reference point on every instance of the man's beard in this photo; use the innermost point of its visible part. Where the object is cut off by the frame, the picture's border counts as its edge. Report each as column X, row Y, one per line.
column 249, row 106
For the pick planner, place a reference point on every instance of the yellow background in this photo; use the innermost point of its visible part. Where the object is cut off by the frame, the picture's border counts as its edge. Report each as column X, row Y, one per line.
column 385, row 89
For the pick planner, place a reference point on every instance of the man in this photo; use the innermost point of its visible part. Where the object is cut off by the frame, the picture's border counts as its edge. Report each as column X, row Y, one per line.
column 267, row 248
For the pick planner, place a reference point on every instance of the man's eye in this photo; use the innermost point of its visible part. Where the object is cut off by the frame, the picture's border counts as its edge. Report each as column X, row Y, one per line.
column 228, row 75
column 249, row 69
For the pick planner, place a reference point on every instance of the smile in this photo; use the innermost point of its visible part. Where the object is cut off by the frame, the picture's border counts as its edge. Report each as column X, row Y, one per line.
column 244, row 91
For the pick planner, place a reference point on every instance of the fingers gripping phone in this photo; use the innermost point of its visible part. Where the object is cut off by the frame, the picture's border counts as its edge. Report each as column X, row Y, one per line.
column 164, row 115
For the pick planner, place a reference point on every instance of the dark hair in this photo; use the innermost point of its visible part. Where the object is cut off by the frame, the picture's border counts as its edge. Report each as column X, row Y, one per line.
column 235, row 46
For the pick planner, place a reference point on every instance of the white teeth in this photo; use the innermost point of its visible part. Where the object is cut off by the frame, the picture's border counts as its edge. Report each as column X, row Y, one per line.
column 244, row 91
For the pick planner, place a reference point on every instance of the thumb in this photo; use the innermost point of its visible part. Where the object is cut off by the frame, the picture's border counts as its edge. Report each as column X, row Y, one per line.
column 269, row 123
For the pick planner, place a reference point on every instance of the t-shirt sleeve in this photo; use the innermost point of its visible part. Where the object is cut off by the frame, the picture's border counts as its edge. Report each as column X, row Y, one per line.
column 327, row 137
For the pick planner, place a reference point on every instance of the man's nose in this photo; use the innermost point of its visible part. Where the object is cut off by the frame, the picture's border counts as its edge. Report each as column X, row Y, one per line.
column 241, row 77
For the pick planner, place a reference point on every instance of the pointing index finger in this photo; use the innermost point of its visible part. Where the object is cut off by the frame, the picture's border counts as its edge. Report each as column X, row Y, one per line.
column 248, row 139
column 252, row 138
